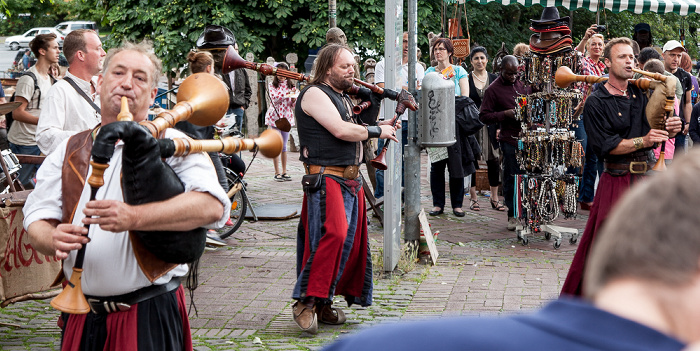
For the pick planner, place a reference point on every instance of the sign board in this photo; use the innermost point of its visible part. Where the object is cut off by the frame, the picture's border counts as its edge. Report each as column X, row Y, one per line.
column 429, row 239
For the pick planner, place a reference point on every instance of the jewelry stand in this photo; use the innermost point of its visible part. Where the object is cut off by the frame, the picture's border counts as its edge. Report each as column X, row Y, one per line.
column 545, row 152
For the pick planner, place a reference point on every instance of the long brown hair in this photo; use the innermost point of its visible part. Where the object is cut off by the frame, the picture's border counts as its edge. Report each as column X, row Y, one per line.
column 276, row 80
column 325, row 61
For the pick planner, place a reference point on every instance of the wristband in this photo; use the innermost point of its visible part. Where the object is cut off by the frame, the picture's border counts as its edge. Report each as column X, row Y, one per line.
column 373, row 132
column 638, row 143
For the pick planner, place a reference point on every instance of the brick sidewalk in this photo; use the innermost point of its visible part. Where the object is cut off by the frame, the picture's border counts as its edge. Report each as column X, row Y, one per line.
column 244, row 297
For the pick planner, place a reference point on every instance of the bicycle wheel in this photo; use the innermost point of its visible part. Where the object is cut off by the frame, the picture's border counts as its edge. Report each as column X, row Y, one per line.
column 239, row 204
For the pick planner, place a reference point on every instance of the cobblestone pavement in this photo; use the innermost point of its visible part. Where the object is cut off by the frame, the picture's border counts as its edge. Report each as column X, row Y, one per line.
column 243, row 301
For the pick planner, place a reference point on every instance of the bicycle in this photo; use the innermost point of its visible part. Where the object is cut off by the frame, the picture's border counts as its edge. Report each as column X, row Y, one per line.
column 237, row 193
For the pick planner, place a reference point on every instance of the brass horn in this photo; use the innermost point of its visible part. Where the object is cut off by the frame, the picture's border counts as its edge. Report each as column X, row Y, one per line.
column 564, row 77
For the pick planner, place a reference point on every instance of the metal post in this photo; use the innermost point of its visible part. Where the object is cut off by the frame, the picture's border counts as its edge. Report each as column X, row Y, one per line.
column 331, row 13
column 412, row 159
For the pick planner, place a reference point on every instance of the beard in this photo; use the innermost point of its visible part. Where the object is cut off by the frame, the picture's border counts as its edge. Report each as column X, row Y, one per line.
column 340, row 82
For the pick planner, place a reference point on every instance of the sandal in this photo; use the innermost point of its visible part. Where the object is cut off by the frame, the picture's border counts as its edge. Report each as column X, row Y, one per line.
column 474, row 205
column 498, row 205
column 286, row 177
column 278, row 177
column 330, row 315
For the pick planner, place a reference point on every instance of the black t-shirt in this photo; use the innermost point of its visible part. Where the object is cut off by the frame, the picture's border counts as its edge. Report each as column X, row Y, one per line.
column 687, row 85
column 610, row 118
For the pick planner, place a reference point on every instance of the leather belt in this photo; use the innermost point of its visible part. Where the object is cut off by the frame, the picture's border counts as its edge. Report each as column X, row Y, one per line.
column 347, row 172
column 634, row 167
column 119, row 303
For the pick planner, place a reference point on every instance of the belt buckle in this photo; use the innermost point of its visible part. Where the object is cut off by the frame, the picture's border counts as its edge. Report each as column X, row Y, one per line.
column 350, row 172
column 635, row 163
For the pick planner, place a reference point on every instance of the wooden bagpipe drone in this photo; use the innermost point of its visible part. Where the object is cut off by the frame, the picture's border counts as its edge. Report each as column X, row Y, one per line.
column 660, row 104
column 403, row 98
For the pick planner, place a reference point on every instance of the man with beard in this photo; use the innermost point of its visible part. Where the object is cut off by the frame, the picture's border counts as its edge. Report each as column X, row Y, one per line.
column 498, row 106
column 333, row 254
column 618, row 130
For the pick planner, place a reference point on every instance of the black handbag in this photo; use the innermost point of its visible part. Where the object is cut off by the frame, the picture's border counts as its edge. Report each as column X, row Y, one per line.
column 467, row 115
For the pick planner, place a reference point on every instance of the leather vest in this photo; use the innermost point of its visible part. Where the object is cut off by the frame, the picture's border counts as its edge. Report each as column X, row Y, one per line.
column 73, row 177
column 318, row 146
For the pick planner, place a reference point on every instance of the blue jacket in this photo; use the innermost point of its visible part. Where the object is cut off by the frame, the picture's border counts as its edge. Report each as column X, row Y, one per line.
column 562, row 325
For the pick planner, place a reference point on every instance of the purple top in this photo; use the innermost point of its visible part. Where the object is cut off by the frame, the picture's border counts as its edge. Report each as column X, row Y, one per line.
column 498, row 98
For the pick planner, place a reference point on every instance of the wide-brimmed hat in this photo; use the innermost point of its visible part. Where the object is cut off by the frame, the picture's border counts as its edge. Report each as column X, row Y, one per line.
column 549, row 45
column 642, row 27
column 215, row 37
column 550, row 14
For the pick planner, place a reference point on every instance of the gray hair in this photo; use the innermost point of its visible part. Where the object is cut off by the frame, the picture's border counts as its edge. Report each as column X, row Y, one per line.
column 145, row 48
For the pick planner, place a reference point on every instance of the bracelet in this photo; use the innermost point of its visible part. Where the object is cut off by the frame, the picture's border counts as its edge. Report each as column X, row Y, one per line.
column 373, row 132
column 638, row 143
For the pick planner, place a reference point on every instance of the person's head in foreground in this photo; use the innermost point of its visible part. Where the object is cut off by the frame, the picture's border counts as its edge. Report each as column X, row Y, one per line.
column 642, row 286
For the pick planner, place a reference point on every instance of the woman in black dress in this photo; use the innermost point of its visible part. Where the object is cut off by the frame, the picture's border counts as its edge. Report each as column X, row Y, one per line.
column 479, row 80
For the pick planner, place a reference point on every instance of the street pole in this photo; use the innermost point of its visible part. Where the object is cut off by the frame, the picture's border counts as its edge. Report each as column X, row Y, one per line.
column 331, row 14
column 412, row 151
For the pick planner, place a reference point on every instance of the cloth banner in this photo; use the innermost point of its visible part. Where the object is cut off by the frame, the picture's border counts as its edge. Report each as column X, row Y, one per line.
column 23, row 270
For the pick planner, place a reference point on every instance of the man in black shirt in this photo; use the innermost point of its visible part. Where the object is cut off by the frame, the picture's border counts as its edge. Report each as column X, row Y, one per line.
column 618, row 131
column 672, row 58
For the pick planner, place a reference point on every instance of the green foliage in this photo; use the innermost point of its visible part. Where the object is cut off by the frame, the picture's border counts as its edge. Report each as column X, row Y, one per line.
column 278, row 27
column 22, row 15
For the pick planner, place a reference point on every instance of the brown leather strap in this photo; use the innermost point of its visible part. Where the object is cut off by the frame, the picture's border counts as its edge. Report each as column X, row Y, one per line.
column 348, row 172
column 74, row 173
column 637, row 167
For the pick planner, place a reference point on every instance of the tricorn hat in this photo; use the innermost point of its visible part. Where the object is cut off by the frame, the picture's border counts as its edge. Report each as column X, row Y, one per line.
column 550, row 14
column 215, row 37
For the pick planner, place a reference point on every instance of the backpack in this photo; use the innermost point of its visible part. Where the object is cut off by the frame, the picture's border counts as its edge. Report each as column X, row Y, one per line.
column 8, row 116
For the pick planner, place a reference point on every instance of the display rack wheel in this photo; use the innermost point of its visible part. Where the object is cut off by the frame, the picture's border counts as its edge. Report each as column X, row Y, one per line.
column 557, row 243
column 573, row 239
column 547, row 235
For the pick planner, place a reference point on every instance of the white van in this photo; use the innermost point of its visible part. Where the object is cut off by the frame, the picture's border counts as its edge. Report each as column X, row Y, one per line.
column 67, row 27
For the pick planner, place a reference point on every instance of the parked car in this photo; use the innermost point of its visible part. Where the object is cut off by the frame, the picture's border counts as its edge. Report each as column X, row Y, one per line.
column 67, row 27
column 22, row 41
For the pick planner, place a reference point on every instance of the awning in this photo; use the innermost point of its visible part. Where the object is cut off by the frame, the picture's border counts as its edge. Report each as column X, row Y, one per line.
column 681, row 7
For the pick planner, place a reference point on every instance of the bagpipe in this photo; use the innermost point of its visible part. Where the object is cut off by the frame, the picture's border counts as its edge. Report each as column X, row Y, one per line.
column 202, row 100
column 660, row 104
column 404, row 99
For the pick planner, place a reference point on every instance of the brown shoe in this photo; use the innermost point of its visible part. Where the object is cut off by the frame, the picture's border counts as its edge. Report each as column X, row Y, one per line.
column 305, row 317
column 330, row 315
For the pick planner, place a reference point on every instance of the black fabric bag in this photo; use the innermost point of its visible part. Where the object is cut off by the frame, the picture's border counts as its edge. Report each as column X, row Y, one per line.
column 467, row 115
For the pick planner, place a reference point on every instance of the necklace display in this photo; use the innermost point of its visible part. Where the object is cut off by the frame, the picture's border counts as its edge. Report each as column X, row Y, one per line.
column 546, row 147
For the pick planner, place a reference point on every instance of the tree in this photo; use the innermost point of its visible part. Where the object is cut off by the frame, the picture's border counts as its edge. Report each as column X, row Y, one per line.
column 277, row 27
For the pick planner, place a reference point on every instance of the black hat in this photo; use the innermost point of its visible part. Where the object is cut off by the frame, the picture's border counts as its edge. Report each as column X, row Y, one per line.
column 642, row 27
column 215, row 37
column 550, row 14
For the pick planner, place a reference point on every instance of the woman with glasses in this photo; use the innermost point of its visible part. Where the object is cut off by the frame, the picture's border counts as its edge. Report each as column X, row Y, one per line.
column 450, row 157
